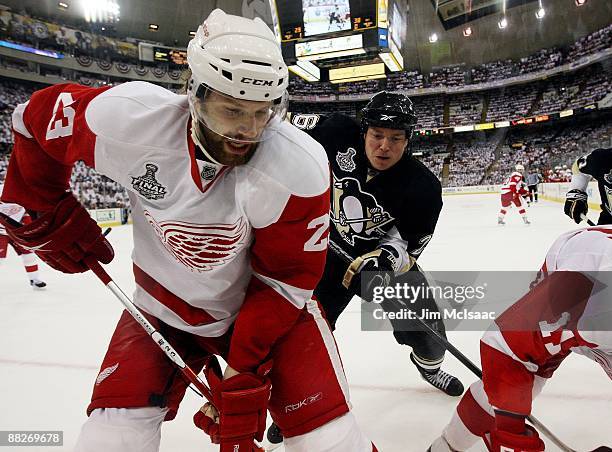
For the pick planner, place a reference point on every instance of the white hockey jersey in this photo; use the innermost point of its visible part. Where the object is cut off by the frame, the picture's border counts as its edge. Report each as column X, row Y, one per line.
column 213, row 245
column 15, row 211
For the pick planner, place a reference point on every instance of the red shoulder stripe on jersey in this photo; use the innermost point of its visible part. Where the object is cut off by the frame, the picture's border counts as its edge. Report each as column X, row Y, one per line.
column 190, row 314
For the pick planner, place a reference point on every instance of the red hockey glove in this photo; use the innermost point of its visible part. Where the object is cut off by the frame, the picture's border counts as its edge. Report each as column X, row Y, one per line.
column 241, row 401
column 511, row 434
column 63, row 237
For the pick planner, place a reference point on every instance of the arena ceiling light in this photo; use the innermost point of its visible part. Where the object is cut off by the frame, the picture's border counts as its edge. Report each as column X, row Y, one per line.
column 580, row 2
column 540, row 13
column 503, row 23
column 153, row 27
column 467, row 32
column 433, row 38
column 62, row 5
column 106, row 11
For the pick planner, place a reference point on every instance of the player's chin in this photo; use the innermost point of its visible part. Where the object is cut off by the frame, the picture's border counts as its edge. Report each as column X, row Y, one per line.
column 238, row 148
column 236, row 153
column 381, row 163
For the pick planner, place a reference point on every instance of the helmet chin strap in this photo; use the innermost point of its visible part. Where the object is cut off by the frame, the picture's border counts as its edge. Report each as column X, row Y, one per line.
column 198, row 143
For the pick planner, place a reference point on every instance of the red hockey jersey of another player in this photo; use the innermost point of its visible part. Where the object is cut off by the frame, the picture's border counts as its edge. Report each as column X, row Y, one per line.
column 570, row 310
column 514, row 184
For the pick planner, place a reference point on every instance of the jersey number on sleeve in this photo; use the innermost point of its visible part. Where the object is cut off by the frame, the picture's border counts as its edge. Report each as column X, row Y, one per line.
column 317, row 242
column 63, row 117
column 553, row 334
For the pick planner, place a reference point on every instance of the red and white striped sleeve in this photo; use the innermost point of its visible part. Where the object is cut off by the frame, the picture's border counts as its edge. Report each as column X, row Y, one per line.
column 535, row 334
column 51, row 133
column 288, row 205
column 288, row 258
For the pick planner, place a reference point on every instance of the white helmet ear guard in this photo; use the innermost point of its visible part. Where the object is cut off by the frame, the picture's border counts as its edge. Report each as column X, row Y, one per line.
column 238, row 57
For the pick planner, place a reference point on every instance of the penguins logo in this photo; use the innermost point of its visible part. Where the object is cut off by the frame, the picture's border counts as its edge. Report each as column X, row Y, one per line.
column 608, row 177
column 356, row 213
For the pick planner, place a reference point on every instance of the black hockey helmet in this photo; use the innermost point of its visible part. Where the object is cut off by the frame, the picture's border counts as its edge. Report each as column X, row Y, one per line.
column 391, row 111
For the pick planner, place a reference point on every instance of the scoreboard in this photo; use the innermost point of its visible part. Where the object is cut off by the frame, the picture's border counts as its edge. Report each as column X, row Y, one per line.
column 177, row 57
column 318, row 37
column 302, row 19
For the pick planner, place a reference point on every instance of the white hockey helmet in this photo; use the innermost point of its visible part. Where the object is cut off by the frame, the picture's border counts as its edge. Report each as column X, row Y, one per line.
column 519, row 167
column 238, row 59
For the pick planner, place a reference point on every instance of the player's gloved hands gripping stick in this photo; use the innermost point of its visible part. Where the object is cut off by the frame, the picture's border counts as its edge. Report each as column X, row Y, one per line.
column 241, row 402
column 576, row 206
column 381, row 260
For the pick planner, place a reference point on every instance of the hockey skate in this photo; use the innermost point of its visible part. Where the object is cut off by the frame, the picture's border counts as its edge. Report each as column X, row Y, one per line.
column 274, row 438
column 37, row 284
column 441, row 380
column 500, row 221
column 526, row 221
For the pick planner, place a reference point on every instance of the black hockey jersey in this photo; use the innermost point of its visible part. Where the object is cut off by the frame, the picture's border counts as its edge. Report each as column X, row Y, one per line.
column 398, row 207
column 598, row 165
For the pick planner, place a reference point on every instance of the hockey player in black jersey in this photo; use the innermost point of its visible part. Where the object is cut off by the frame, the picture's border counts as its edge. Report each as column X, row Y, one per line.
column 384, row 209
column 595, row 165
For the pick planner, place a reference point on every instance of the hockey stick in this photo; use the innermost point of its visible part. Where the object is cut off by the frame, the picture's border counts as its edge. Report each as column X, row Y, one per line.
column 163, row 344
column 583, row 217
column 463, row 359
column 169, row 351
column 157, row 337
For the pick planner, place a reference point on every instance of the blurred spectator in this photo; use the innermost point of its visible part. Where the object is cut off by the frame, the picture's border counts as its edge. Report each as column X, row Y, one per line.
column 495, row 70
column 512, row 102
column 465, row 109
column 471, row 155
column 94, row 190
column 541, row 60
column 429, row 110
column 405, row 80
column 448, row 76
column 11, row 94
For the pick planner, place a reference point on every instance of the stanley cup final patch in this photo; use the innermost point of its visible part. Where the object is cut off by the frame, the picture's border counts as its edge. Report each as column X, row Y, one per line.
column 345, row 160
column 147, row 185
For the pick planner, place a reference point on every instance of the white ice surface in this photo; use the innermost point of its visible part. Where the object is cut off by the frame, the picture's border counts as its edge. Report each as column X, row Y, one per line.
column 52, row 343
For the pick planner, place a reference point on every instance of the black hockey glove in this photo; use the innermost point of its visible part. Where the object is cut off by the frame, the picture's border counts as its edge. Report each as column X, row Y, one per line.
column 576, row 205
column 374, row 269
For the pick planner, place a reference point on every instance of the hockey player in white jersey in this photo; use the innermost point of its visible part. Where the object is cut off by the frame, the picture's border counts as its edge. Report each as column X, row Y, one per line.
column 230, row 209
column 28, row 258
column 568, row 310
